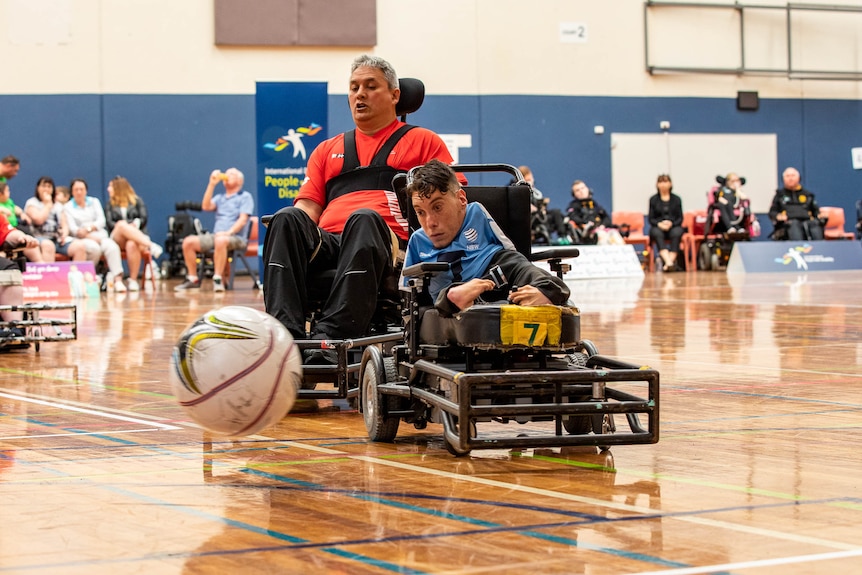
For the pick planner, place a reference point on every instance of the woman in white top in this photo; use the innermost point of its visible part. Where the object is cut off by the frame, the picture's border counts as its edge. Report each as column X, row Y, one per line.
column 85, row 218
column 40, row 210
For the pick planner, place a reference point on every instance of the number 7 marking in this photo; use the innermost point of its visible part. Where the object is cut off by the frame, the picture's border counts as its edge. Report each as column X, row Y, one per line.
column 535, row 328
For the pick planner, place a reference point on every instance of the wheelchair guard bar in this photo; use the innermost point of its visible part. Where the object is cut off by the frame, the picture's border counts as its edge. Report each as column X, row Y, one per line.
column 494, row 396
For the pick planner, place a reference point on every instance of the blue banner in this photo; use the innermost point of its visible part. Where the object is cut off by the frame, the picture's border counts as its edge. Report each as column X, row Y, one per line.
column 788, row 256
column 290, row 120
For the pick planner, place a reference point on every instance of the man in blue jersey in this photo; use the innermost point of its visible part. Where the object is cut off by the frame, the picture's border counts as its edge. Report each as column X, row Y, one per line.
column 465, row 236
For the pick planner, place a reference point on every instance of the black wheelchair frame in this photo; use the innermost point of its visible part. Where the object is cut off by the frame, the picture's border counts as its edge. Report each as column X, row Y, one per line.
column 33, row 327
column 464, row 386
column 180, row 225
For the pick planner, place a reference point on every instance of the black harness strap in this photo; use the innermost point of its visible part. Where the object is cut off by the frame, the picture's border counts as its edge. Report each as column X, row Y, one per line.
column 376, row 176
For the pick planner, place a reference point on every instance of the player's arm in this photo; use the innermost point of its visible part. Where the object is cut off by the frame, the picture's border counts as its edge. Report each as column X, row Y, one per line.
column 207, row 203
column 311, row 208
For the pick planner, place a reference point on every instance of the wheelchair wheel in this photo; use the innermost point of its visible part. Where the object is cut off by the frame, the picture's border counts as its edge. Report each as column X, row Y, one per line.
column 587, row 348
column 541, row 235
column 604, row 425
column 579, row 424
column 577, row 359
column 704, row 257
column 374, row 371
column 457, row 451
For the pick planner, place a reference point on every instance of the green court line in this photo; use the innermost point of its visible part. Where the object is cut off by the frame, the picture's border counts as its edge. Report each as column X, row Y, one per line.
column 699, row 482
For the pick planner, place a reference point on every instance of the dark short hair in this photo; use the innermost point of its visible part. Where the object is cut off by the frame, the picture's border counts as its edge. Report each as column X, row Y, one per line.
column 10, row 160
column 45, row 180
column 433, row 176
column 75, row 180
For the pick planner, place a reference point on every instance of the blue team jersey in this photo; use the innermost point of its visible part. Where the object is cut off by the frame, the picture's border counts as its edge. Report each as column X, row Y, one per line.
column 468, row 255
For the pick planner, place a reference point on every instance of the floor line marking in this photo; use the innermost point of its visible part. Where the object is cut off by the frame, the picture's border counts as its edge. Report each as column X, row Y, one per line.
column 106, row 409
column 752, row 564
column 609, row 504
column 41, row 436
column 88, row 411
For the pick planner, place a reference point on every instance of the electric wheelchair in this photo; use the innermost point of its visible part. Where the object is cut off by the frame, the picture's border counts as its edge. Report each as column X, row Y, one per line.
column 717, row 243
column 501, row 363
column 60, row 323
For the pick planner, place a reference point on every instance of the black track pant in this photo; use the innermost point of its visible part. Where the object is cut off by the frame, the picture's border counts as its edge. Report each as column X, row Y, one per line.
column 800, row 230
column 666, row 240
column 296, row 250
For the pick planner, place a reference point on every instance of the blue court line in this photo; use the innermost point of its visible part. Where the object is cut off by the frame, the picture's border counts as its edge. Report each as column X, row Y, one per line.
column 492, row 527
column 616, row 552
column 327, row 547
column 383, row 497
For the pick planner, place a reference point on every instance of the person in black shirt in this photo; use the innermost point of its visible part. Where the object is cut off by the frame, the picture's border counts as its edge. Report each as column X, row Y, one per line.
column 794, row 212
column 585, row 216
column 665, row 219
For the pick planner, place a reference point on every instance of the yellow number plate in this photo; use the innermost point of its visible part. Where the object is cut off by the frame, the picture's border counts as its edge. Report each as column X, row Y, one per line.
column 530, row 326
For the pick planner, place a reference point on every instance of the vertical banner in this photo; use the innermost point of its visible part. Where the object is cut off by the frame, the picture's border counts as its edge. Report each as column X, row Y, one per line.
column 290, row 120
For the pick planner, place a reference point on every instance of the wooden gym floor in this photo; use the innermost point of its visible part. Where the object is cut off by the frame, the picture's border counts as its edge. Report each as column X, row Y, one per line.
column 757, row 471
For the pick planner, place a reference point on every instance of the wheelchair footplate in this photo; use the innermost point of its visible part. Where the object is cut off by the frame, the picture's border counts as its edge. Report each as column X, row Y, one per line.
column 536, row 374
column 39, row 323
column 331, row 367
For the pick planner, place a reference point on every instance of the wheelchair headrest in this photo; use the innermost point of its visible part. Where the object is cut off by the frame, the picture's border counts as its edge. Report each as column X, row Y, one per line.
column 399, row 182
column 412, row 96
column 721, row 180
column 189, row 205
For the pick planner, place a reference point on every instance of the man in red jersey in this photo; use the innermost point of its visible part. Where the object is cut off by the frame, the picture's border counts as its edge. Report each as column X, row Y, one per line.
column 11, row 286
column 346, row 213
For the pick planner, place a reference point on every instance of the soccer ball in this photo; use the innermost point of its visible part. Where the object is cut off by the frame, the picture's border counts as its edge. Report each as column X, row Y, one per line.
column 236, row 370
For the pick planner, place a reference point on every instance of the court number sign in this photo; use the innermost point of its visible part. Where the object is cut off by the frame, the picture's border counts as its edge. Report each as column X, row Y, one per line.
column 573, row 32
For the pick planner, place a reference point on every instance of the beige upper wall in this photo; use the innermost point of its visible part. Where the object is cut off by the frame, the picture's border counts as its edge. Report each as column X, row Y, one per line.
column 455, row 46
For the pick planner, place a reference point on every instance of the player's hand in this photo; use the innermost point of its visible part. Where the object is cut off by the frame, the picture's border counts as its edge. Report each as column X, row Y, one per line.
column 528, row 295
column 465, row 294
column 215, row 177
column 28, row 241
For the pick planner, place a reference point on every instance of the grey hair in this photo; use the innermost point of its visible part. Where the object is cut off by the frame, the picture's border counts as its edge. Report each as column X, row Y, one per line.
column 369, row 61
column 239, row 174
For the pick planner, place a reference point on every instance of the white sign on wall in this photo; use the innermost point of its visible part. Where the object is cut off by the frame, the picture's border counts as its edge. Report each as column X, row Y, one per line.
column 857, row 158
column 455, row 142
column 573, row 32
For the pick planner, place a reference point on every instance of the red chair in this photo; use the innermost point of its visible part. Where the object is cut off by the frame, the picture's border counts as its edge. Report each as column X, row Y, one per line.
column 834, row 227
column 690, row 240
column 251, row 251
column 635, row 223
column 695, row 237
